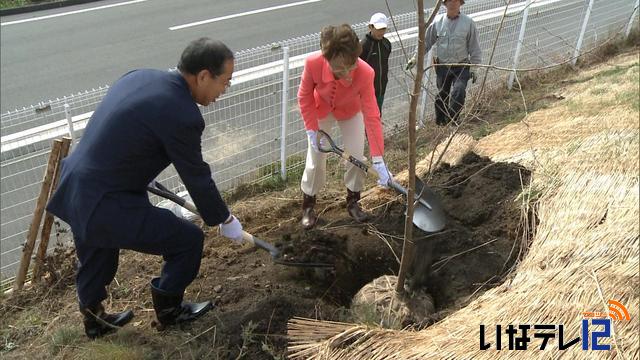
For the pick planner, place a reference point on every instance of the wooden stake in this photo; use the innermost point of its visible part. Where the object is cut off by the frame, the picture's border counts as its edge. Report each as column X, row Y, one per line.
column 408, row 246
column 48, row 218
column 37, row 216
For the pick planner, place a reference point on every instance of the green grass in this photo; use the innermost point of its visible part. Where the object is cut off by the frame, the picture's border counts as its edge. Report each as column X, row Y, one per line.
column 627, row 98
column 104, row 350
column 485, row 129
column 65, row 337
column 482, row 131
column 271, row 180
column 530, row 195
column 267, row 348
column 611, row 76
column 616, row 70
column 574, row 106
column 631, row 98
column 248, row 337
column 614, row 73
column 9, row 4
column 127, row 344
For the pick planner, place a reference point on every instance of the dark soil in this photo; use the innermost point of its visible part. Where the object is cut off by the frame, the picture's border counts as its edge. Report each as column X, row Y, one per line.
column 255, row 297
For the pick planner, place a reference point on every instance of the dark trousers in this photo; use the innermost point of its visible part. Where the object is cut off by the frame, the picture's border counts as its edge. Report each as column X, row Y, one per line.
column 380, row 100
column 146, row 229
column 452, row 90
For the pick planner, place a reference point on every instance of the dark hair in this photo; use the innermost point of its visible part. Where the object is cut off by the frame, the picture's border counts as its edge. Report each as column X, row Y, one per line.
column 340, row 40
column 204, row 54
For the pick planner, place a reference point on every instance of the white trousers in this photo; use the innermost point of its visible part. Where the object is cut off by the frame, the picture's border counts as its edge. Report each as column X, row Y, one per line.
column 353, row 136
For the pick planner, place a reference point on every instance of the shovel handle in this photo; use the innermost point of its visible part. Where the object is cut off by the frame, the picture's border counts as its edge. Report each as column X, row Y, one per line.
column 158, row 189
column 248, row 238
column 261, row 244
column 343, row 154
column 399, row 188
column 361, row 165
column 364, row 167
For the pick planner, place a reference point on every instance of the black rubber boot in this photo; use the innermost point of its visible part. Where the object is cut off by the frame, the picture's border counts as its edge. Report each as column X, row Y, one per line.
column 354, row 208
column 309, row 217
column 171, row 310
column 98, row 323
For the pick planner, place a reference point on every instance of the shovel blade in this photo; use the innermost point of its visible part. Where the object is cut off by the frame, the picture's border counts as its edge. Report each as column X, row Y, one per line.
column 278, row 257
column 430, row 219
column 427, row 220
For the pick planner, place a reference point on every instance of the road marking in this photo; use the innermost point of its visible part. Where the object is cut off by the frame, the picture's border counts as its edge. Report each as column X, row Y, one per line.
column 70, row 12
column 179, row 27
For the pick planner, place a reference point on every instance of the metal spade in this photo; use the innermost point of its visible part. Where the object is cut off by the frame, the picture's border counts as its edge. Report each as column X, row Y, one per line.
column 428, row 213
column 278, row 258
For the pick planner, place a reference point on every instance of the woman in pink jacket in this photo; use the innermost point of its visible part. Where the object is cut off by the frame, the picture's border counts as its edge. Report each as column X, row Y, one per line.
column 337, row 88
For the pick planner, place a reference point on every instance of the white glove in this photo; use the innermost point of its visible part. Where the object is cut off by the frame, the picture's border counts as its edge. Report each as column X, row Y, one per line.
column 313, row 139
column 411, row 63
column 384, row 175
column 232, row 229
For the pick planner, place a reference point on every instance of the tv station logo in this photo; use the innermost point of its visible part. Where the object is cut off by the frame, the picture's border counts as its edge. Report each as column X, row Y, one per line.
column 595, row 328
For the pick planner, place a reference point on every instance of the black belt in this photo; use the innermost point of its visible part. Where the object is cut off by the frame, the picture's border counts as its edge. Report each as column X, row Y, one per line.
column 436, row 61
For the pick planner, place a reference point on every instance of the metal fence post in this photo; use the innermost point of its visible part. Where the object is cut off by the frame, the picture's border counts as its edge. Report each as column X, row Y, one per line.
column 581, row 36
column 70, row 124
column 516, row 56
column 285, row 111
column 633, row 16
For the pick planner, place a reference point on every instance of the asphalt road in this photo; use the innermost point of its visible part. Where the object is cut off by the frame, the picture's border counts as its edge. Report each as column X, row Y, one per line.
column 59, row 52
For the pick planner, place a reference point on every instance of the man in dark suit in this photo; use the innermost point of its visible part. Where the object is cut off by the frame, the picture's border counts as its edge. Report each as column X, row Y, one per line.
column 148, row 120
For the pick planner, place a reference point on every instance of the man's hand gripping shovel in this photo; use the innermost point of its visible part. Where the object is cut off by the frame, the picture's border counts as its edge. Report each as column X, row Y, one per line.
column 156, row 188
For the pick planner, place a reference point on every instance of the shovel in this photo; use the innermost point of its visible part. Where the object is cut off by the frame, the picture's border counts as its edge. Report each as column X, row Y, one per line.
column 159, row 189
column 428, row 214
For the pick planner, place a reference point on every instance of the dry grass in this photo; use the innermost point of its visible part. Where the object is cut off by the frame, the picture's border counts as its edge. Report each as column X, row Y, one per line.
column 584, row 154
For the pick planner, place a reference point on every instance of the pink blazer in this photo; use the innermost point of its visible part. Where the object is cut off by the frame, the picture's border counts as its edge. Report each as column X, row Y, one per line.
column 320, row 94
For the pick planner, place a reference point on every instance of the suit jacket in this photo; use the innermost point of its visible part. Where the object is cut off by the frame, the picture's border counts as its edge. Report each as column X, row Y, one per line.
column 147, row 120
column 320, row 94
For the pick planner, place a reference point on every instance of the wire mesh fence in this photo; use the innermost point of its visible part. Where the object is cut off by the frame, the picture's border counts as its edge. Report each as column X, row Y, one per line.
column 243, row 139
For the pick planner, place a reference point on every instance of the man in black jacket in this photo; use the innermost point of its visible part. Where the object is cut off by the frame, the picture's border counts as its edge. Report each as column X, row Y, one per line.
column 148, row 120
column 375, row 51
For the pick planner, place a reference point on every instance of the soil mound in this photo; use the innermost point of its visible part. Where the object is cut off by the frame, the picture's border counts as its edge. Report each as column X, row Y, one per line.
column 255, row 297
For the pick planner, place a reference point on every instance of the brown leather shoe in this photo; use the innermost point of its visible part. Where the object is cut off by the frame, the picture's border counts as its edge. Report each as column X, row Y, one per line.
column 354, row 208
column 308, row 215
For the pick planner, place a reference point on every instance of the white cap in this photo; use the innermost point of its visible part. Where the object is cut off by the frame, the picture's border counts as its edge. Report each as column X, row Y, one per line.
column 379, row 21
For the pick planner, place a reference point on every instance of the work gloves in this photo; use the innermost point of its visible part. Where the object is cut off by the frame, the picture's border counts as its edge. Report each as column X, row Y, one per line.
column 232, row 229
column 313, row 140
column 410, row 64
column 384, row 175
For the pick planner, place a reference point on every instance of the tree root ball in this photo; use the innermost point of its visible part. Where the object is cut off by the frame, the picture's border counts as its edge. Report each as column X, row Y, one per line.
column 378, row 303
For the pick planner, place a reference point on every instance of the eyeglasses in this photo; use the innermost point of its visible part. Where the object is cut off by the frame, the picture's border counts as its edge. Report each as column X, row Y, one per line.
column 338, row 66
column 227, row 83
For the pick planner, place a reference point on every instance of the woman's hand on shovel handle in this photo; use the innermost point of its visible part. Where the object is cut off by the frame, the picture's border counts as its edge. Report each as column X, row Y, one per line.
column 384, row 175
